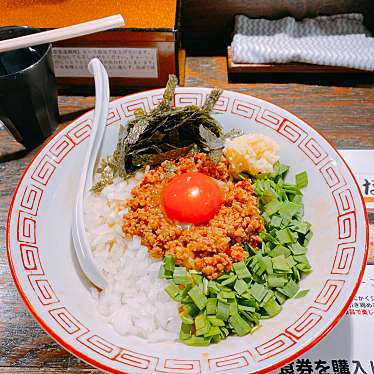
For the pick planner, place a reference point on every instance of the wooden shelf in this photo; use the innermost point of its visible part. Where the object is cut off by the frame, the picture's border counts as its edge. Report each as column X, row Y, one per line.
column 287, row 68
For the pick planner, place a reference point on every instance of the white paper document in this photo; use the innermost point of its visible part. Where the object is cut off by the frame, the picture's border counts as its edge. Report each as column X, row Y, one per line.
column 362, row 164
column 349, row 347
column 119, row 62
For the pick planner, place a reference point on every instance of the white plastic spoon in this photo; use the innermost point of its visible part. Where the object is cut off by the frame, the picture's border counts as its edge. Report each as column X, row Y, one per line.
column 81, row 244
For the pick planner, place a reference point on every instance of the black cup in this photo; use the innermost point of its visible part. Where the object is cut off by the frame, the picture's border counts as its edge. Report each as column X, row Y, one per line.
column 28, row 90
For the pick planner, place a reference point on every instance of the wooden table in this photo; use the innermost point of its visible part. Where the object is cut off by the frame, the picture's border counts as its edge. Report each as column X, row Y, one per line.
column 345, row 115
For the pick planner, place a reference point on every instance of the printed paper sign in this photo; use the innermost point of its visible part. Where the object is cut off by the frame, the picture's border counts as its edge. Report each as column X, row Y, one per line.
column 348, row 347
column 119, row 62
column 362, row 164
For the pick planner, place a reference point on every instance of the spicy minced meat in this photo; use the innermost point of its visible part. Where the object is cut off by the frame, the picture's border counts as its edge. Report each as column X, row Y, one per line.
column 212, row 247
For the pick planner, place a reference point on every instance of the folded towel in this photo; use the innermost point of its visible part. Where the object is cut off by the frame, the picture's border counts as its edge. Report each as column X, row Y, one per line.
column 340, row 40
column 340, row 24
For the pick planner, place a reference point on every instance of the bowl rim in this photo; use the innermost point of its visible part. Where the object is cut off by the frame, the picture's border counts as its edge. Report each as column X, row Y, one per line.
column 99, row 365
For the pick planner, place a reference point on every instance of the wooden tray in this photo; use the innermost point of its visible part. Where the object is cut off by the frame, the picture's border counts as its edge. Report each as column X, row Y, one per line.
column 234, row 70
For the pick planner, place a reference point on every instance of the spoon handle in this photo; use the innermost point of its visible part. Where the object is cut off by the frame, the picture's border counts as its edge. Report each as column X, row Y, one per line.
column 97, row 69
column 81, row 244
column 62, row 33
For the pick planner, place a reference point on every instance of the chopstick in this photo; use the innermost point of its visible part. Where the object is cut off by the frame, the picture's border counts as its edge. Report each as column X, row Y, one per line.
column 62, row 33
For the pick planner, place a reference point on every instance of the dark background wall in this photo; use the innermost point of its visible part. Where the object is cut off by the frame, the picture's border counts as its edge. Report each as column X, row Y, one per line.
column 207, row 24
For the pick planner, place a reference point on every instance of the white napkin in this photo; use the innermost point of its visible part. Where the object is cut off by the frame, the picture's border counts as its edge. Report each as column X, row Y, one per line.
column 340, row 40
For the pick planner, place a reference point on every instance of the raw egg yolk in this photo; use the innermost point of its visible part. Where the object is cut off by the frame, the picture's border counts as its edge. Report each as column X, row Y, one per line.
column 192, row 198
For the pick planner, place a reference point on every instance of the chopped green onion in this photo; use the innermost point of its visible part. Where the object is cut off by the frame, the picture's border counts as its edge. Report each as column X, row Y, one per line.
column 240, row 326
column 249, row 249
column 211, row 306
column 296, row 274
column 298, row 199
column 258, row 265
column 252, row 317
column 269, row 294
column 224, row 331
column 301, row 293
column 291, row 262
column 240, row 286
column 301, row 259
column 198, row 297
column 272, row 207
column 308, row 236
column 289, row 209
column 290, row 289
column 286, row 220
column 267, row 196
column 280, row 264
column 216, row 321
column 301, row 179
column 164, row 274
column 172, row 290
column 280, row 297
column 227, row 294
column 247, row 295
column 184, row 293
column 276, row 221
column 284, row 236
column 279, row 170
column 301, row 227
column 213, row 287
column 271, row 307
column 216, row 338
column 214, row 330
column 241, row 270
column 194, row 271
column 305, row 268
column 280, row 250
column 186, row 319
column 229, row 280
column 249, row 302
column 197, row 341
column 290, row 191
column 233, row 307
column 246, row 308
column 205, row 286
column 202, row 325
column 169, row 263
column 191, row 309
column 197, row 278
column 185, row 331
column 223, row 310
column 269, row 264
column 186, row 299
column 223, row 277
column 276, row 280
column 298, row 249
column 258, row 291
column 180, row 276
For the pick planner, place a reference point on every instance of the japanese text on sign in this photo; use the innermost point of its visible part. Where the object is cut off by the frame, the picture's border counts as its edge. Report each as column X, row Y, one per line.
column 306, row 366
column 119, row 62
column 368, row 186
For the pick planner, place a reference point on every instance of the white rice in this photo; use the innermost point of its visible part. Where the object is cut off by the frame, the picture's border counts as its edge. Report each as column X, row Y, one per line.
column 134, row 302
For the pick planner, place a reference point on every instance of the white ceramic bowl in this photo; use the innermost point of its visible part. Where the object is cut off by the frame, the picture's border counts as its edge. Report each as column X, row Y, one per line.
column 50, row 282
